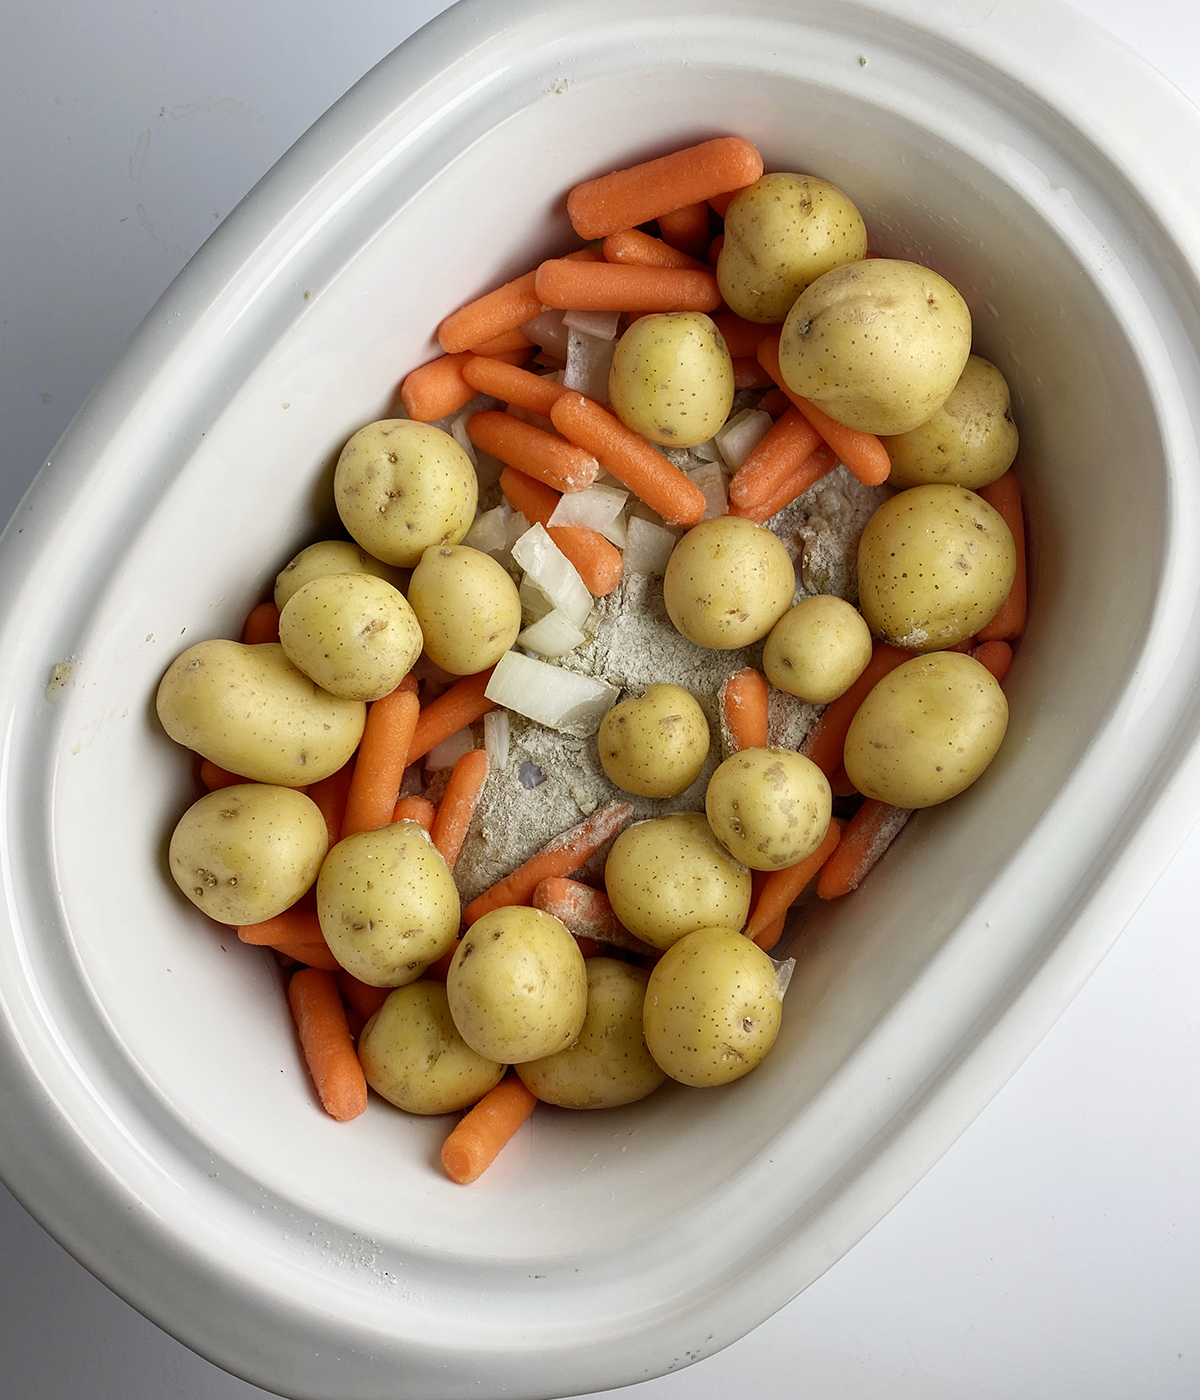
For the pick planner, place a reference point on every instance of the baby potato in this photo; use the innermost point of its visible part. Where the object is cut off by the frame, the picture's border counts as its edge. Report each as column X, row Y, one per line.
column 670, row 875
column 609, row 1064
column 401, row 486
column 353, row 634
column 934, row 565
column 769, row 808
column 413, row 1055
column 713, row 1007
column 878, row 345
column 728, row 582
column 248, row 852
column 331, row 557
column 654, row 744
column 926, row 731
column 970, row 441
column 468, row 608
column 781, row 234
column 818, row 649
column 388, row 905
column 517, row 985
column 672, row 378
column 248, row 709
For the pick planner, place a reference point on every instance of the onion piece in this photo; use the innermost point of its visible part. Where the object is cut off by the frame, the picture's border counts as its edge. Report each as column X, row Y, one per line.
column 548, row 331
column 588, row 363
column 648, row 547
column 741, row 435
column 495, row 738
column 549, row 695
column 449, row 751
column 515, row 525
column 711, row 480
column 552, row 635
column 596, row 507
column 617, row 531
column 783, row 974
column 488, row 532
column 534, row 603
column 553, row 573
column 601, row 324
column 707, row 451
column 458, row 431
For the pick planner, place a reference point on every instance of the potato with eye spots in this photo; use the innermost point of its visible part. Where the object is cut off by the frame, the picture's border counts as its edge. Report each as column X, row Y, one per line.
column 655, row 744
column 934, row 565
column 331, row 557
column 672, row 378
column 818, row 649
column 468, row 608
column 401, row 486
column 769, row 808
column 728, row 582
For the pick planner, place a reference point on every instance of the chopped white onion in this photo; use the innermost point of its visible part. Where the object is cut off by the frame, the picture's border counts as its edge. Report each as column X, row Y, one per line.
column 741, row 435
column 711, row 480
column 495, row 738
column 597, row 507
column 488, row 533
column 783, row 974
column 548, row 331
column 534, row 603
column 449, row 751
column 588, row 363
column 617, row 531
column 648, row 547
column 515, row 525
column 458, row 431
column 553, row 573
column 552, row 635
column 601, row 324
column 549, row 695
column 707, row 451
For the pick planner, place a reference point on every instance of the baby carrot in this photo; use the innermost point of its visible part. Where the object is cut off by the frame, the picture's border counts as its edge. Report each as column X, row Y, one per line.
column 433, row 390
column 740, row 336
column 330, row 796
column 996, row 656
column 534, row 499
column 502, row 344
column 587, row 912
column 782, row 888
column 597, row 561
column 718, row 203
column 786, row 444
column 561, row 856
column 1004, row 495
column 771, row 935
column 517, row 386
column 533, row 451
column 453, row 710
column 749, row 374
column 437, row 971
column 476, row 1142
column 382, row 758
column 325, row 1039
column 686, row 228
column 648, row 474
column 292, row 926
column 840, row 784
column 458, row 804
column 714, row 250
column 631, row 245
column 605, row 286
column 214, row 777
column 316, row 955
column 505, row 309
column 364, row 998
column 775, row 402
column 262, row 625
column 827, row 740
column 801, row 479
column 633, row 196
column 869, row 832
column 415, row 809
column 744, row 709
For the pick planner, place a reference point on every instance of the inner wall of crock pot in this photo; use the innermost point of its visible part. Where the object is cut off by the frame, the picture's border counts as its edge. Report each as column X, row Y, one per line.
column 203, row 1018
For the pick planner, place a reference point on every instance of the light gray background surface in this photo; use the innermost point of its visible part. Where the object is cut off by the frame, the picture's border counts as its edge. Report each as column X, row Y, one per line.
column 1054, row 1252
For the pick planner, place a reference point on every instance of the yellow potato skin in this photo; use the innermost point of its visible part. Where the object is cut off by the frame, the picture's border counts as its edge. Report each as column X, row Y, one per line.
column 781, row 234
column 970, row 441
column 608, row 1065
column 818, row 649
column 768, row 807
column 728, row 582
column 249, row 710
column 655, row 744
column 414, row 1057
column 517, row 985
column 354, row 634
column 331, row 557
column 401, row 486
column 926, row 731
column 248, row 852
column 671, row 379
column 670, row 875
column 934, row 565
column 468, row 608
column 388, row 905
column 878, row 345
column 713, row 1008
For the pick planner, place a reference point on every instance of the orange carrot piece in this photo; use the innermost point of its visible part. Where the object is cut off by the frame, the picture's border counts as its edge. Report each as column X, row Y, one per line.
column 749, row 374
column 714, row 250
column 262, row 625
column 643, row 192
column 597, row 561
column 803, row 478
column 862, row 453
column 437, row 971
column 631, row 245
column 330, row 796
column 364, row 998
column 771, row 935
column 534, row 392
column 1004, row 495
column 415, row 809
column 436, row 389
column 719, row 203
column 292, row 926
column 214, row 777
column 775, row 402
column 325, row 1039
column 686, row 228
column 534, row 499
column 453, row 710
column 995, row 655
column 785, row 446
column 869, row 832
column 561, row 856
column 503, row 344
column 840, row 784
column 495, row 313
column 533, row 451
column 477, row 1140
column 654, row 480
column 741, row 336
column 605, row 286
column 743, row 700
column 458, row 804
column 587, row 913
column 382, row 759
column 782, row 888
column 589, row 947
column 827, row 740
column 318, row 955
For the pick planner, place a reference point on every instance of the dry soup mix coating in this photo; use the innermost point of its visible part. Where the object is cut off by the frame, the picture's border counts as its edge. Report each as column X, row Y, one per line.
column 638, row 635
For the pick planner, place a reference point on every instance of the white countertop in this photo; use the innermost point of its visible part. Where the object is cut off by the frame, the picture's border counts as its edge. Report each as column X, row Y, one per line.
column 1054, row 1252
